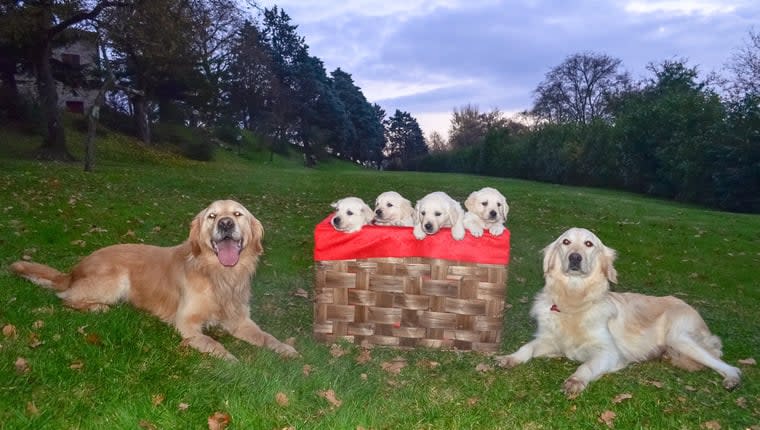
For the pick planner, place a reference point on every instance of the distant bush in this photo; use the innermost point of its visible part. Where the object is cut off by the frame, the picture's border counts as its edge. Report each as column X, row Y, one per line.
column 192, row 143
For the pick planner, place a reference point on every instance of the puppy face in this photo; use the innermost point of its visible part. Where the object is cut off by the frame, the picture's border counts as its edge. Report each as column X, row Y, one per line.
column 436, row 210
column 579, row 253
column 488, row 204
column 391, row 208
column 351, row 213
column 226, row 229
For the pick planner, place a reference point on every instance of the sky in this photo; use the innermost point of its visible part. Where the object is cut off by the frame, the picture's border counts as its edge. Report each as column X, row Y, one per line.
column 428, row 57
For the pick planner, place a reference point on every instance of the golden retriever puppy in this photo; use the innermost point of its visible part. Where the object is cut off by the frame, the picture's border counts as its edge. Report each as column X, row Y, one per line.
column 579, row 318
column 391, row 208
column 487, row 209
column 351, row 214
column 437, row 210
column 203, row 281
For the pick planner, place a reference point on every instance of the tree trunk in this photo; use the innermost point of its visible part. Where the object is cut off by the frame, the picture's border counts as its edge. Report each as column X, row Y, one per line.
column 54, row 144
column 92, row 125
column 10, row 102
column 141, row 116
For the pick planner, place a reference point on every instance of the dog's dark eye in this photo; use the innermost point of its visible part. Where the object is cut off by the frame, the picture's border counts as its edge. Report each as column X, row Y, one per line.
column 437, row 214
column 484, row 203
column 212, row 215
column 498, row 204
column 422, row 213
column 349, row 213
column 390, row 205
column 588, row 243
column 566, row 242
column 237, row 213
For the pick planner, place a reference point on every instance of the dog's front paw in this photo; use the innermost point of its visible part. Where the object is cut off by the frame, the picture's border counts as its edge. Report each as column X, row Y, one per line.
column 418, row 233
column 573, row 386
column 286, row 350
column 476, row 231
column 507, row 361
column 496, row 230
column 733, row 380
column 457, row 232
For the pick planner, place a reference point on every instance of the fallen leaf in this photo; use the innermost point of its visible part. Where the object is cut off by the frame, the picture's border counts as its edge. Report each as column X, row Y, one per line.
column 608, row 418
column 330, row 396
column 363, row 376
column 34, row 340
column 301, row 293
column 81, row 331
column 364, row 356
column 93, row 339
column 78, row 242
column 183, row 406
column 157, row 399
column 656, row 384
column 22, row 366
column 748, row 361
column 218, row 421
column 741, row 402
column 76, row 365
column 307, row 369
column 621, row 397
column 472, row 401
column 428, row 364
column 482, row 367
column 9, row 331
column 394, row 367
column 31, row 409
column 336, row 350
column 282, row 399
column 711, row 425
column 147, row 425
column 38, row 324
column 689, row 388
column 156, row 229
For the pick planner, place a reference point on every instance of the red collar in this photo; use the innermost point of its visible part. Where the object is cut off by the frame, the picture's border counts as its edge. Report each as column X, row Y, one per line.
column 554, row 308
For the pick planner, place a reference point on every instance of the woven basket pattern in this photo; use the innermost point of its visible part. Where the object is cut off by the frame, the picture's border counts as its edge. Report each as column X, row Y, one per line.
column 411, row 302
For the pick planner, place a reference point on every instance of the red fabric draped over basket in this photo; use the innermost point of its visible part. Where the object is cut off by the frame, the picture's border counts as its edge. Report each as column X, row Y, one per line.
column 383, row 241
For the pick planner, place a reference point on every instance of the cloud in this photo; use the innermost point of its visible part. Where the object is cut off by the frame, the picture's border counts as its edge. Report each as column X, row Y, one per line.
column 681, row 7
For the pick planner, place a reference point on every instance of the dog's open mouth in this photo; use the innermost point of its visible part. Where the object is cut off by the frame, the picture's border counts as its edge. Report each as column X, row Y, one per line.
column 227, row 250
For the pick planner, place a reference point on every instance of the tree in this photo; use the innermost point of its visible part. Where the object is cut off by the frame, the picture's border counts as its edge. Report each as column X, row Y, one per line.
column 366, row 137
column 437, row 143
column 36, row 26
column 578, row 90
column 405, row 139
column 745, row 68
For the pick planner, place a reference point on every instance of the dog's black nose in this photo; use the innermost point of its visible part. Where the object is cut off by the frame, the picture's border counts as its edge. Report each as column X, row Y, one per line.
column 428, row 226
column 492, row 214
column 336, row 220
column 575, row 260
column 226, row 224
column 379, row 212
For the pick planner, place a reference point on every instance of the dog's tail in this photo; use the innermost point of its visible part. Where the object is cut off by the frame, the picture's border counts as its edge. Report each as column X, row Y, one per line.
column 42, row 275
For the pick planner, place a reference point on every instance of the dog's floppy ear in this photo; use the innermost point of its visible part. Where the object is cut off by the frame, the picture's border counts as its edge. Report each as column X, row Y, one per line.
column 195, row 234
column 367, row 213
column 550, row 253
column 504, row 209
column 416, row 212
column 335, row 204
column 456, row 213
column 608, row 258
column 257, row 235
column 406, row 208
column 471, row 201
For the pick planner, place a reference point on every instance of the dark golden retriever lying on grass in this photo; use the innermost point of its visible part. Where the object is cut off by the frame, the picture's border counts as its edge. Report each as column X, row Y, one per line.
column 579, row 318
column 200, row 282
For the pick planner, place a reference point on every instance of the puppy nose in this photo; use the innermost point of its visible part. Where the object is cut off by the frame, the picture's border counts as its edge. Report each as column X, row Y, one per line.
column 226, row 224
column 575, row 260
column 428, row 226
column 336, row 220
column 492, row 214
column 379, row 212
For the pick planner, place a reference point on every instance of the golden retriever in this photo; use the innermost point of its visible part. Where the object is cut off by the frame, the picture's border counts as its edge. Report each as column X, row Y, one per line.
column 203, row 281
column 487, row 209
column 579, row 318
column 391, row 208
column 351, row 214
column 437, row 210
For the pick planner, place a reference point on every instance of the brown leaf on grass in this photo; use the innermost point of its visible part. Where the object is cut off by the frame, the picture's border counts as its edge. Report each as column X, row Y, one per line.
column 282, row 399
column 363, row 377
column 307, row 369
column 38, row 324
column 364, row 356
column 472, row 401
column 26, row 257
column 330, row 396
column 711, row 425
column 183, row 406
column 336, row 350
column 394, row 367
column 129, row 233
column 147, row 425
column 608, row 418
column 427, row 364
column 157, row 399
column 741, row 402
column 81, row 330
column 78, row 242
column 34, row 340
column 218, row 421
column 621, row 397
column 656, row 384
column 9, row 331
column 689, row 388
column 483, row 368
column 31, row 409
column 76, row 365
column 748, row 361
column 93, row 339
column 301, row 293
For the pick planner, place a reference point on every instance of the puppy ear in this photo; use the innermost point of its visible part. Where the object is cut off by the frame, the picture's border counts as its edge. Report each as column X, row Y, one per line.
column 257, row 235
column 195, row 235
column 335, row 204
column 504, row 208
column 550, row 253
column 367, row 213
column 406, row 208
column 456, row 213
column 416, row 213
column 471, row 201
column 608, row 257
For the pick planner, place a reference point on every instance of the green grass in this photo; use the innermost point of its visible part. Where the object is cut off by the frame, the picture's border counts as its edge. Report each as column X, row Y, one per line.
column 124, row 369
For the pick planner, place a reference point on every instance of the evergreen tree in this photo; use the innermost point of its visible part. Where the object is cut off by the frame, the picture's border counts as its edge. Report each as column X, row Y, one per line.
column 405, row 140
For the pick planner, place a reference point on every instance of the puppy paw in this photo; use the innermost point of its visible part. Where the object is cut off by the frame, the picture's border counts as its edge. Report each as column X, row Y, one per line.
column 418, row 233
column 496, row 230
column 457, row 232
column 506, row 361
column 476, row 231
column 573, row 386
column 286, row 350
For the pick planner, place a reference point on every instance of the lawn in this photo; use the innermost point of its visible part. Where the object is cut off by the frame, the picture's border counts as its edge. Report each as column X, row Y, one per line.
column 61, row 368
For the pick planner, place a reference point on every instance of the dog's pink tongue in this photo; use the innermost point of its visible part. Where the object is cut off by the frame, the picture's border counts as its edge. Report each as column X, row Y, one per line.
column 228, row 252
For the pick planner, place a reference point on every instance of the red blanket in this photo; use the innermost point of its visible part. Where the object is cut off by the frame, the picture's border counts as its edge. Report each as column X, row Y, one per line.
column 378, row 242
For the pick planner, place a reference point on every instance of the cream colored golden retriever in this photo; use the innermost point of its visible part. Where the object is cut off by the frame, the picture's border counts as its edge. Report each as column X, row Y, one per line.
column 391, row 208
column 437, row 210
column 487, row 209
column 579, row 318
column 200, row 282
column 351, row 214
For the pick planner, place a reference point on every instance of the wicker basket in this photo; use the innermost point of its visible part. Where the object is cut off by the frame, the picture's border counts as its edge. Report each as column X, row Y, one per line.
column 410, row 302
